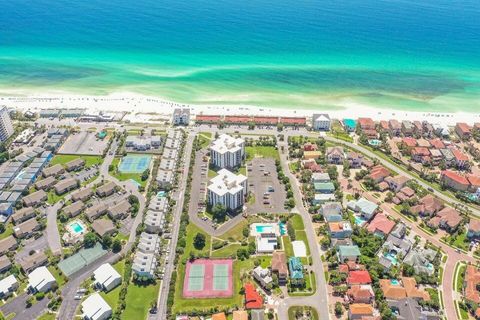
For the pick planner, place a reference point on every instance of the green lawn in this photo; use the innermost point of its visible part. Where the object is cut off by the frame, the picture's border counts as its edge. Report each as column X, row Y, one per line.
column 53, row 197
column 8, row 231
column 111, row 297
column 262, row 151
column 292, row 311
column 227, row 251
column 310, row 287
column 64, row 158
column 212, row 173
column 139, row 300
column 205, row 139
column 287, row 246
column 57, row 274
column 297, row 222
column 460, row 275
column 460, row 241
column 47, row 316
column 235, row 234
column 192, row 231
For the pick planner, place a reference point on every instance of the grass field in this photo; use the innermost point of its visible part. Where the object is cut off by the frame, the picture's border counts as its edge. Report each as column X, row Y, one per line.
column 139, row 300
column 192, row 231
column 8, row 231
column 459, row 276
column 227, row 251
column 297, row 222
column 293, row 310
column 287, row 246
column 205, row 139
column 64, row 158
column 261, row 151
column 53, row 198
column 59, row 277
column 235, row 234
column 47, row 316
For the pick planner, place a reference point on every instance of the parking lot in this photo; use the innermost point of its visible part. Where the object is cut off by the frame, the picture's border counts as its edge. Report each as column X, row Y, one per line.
column 263, row 182
column 84, row 143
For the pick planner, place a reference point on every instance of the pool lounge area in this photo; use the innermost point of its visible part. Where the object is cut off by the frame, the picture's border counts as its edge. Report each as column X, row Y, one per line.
column 359, row 220
column 75, row 232
column 259, row 228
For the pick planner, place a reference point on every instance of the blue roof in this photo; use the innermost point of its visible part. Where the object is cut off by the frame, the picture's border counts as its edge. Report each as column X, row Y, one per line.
column 350, row 123
column 296, row 268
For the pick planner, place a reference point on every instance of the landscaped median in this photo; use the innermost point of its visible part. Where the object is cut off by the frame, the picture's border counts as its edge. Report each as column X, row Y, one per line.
column 296, row 312
column 459, row 276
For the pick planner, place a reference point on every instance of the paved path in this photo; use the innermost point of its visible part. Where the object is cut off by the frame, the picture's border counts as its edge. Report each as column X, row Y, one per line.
column 53, row 236
column 169, row 266
column 319, row 300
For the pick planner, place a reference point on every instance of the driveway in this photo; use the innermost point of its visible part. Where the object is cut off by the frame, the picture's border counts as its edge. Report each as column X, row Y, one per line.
column 18, row 307
column 39, row 244
column 53, row 236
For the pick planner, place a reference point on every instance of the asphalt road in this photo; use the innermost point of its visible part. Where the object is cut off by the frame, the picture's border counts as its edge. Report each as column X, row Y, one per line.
column 18, row 307
column 169, row 266
column 52, row 233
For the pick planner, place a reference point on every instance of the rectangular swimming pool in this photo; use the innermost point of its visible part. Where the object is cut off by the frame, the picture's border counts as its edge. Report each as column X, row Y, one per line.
column 77, row 227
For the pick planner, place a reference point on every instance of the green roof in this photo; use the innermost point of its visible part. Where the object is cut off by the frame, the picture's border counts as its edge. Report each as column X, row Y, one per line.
column 349, row 250
column 327, row 186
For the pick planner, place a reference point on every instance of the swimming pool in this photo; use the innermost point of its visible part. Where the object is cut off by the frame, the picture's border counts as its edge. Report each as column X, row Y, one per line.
column 283, row 228
column 264, row 229
column 77, row 227
column 374, row 142
column 359, row 220
column 394, row 282
column 392, row 257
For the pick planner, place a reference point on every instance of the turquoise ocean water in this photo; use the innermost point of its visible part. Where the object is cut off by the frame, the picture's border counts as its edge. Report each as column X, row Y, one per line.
column 405, row 54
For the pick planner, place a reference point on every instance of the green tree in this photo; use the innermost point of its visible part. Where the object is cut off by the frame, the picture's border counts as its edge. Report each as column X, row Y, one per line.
column 116, row 245
column 219, row 212
column 145, row 174
column 199, row 241
column 89, row 240
column 107, row 241
column 338, row 309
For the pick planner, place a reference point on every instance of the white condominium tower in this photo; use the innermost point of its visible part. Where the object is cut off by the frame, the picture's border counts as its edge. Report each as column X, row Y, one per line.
column 227, row 152
column 228, row 189
column 6, row 126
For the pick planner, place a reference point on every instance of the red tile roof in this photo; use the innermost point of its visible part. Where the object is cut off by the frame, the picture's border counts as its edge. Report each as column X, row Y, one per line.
column 381, row 223
column 366, row 123
column 474, row 225
column 459, row 155
column 379, row 173
column 420, row 151
column 455, row 177
column 207, row 118
column 359, row 277
column 437, row 143
column 409, row 142
column 238, row 119
column 253, row 300
column 266, row 120
column 474, row 180
column 293, row 120
column 464, row 128
column 472, row 279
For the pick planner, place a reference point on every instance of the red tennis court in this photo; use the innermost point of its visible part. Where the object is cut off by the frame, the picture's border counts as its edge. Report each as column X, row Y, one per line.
column 208, row 278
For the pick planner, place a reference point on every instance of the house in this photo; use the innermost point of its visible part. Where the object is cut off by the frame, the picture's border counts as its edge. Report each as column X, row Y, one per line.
column 448, row 219
column 310, row 147
column 26, row 229
column 395, row 128
column 23, row 215
column 8, row 286
column 474, row 183
column 463, row 130
column 393, row 251
column 349, row 125
column 363, row 206
column 253, row 300
column 74, row 209
column 8, row 244
column 103, row 227
column 219, row 316
column 321, row 122
column 399, row 231
column 380, row 225
column 149, row 243
column 46, row 183
column 266, row 242
column 82, row 194
column 406, row 288
column 320, row 177
column 448, row 157
column 379, row 173
column 436, row 156
column 33, row 261
column 335, row 155
column 106, row 277
column 361, row 294
column 428, row 206
column 324, row 187
column 340, row 230
column 240, row 315
column 423, row 143
column 348, row 253
column 279, row 266
column 320, row 198
column 407, row 127
column 418, row 127
column 420, row 154
column 437, row 143
column 461, row 159
column 366, row 124
column 383, row 125
column 396, row 183
column 409, row 308
column 96, row 211
column 35, row 199
column 5, row 264
column 421, row 260
column 96, row 308
column 470, row 285
column 454, row 180
column 40, row 280
column 53, row 171
column 120, row 210
column 75, row 164
column 144, row 264
column 358, row 277
column 311, row 165
column 181, row 116
column 360, row 311
column 106, row 190
column 473, row 229
column 331, row 211
column 295, row 268
column 154, row 221
column 66, row 185
column 262, row 276
column 308, row 155
column 355, row 159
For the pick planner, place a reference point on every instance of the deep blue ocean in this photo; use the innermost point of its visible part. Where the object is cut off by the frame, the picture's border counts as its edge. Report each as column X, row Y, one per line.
column 316, row 54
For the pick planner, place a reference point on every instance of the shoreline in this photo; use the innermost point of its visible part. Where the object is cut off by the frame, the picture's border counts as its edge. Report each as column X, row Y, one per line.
column 138, row 104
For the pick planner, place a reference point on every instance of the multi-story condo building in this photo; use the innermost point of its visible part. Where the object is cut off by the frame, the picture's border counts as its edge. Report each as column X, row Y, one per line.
column 228, row 189
column 6, row 126
column 227, row 152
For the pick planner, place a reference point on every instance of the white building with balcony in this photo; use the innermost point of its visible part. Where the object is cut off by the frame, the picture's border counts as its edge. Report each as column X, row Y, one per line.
column 227, row 151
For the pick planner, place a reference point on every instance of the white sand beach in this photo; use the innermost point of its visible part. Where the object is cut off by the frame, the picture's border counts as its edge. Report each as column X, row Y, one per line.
column 137, row 104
